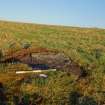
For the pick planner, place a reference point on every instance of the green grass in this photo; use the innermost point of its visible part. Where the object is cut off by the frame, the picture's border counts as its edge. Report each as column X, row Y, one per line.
column 86, row 46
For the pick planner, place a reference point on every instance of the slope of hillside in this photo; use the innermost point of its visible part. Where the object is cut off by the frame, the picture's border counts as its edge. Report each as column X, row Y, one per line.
column 85, row 46
column 76, row 41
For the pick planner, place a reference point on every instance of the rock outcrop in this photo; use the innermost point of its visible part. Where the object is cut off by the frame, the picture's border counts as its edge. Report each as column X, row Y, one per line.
column 41, row 58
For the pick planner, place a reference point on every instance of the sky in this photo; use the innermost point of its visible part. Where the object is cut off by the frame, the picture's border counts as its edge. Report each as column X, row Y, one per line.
column 82, row 13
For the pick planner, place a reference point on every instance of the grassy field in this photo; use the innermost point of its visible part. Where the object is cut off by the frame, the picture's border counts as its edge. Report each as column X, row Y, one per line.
column 86, row 46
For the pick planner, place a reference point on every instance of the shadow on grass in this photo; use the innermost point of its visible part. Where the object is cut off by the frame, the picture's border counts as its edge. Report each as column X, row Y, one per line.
column 75, row 98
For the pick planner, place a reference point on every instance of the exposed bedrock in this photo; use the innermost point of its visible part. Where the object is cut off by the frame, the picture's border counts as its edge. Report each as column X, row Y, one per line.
column 45, row 60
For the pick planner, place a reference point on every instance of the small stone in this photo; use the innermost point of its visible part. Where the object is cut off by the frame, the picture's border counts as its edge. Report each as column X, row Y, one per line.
column 43, row 75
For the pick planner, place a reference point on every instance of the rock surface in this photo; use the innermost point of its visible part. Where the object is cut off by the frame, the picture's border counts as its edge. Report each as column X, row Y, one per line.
column 44, row 59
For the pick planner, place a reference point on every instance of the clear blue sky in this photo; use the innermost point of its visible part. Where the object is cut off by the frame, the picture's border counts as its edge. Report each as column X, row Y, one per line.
column 90, row 13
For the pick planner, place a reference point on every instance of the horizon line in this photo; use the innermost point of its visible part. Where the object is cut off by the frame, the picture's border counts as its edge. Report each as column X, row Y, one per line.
column 49, row 24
